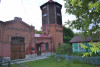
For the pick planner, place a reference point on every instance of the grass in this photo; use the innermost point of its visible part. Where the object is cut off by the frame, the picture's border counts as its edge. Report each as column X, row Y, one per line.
column 51, row 62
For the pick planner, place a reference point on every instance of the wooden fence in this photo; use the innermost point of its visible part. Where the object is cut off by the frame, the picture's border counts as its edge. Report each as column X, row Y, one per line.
column 89, row 60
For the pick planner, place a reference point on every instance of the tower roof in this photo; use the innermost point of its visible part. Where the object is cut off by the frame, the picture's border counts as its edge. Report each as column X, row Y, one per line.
column 50, row 2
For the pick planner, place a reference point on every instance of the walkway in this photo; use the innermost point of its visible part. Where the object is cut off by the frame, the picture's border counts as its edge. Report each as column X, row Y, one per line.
column 30, row 59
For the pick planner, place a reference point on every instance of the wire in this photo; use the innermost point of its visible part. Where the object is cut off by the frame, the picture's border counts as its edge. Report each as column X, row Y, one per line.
column 25, row 10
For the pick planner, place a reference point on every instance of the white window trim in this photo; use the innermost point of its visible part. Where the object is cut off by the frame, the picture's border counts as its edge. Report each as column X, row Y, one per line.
column 73, row 48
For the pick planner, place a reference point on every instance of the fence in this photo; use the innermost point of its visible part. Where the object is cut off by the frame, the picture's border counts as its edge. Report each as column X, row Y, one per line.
column 90, row 60
column 7, row 63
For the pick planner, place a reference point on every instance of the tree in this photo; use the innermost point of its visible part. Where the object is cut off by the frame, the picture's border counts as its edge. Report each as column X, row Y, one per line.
column 87, row 13
column 38, row 31
column 94, row 49
column 67, row 34
column 92, row 4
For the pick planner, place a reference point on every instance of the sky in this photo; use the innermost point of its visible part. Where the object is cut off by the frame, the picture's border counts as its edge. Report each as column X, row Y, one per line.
column 29, row 11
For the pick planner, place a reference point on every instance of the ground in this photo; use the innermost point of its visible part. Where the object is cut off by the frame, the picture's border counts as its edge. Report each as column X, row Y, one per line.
column 51, row 62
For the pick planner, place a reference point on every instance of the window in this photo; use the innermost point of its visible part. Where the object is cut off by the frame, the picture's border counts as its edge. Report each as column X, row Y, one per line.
column 58, row 14
column 44, row 7
column 18, row 40
column 44, row 15
column 58, row 6
column 46, row 47
column 79, row 48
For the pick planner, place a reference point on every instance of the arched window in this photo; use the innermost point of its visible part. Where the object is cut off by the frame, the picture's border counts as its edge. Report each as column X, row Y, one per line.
column 46, row 46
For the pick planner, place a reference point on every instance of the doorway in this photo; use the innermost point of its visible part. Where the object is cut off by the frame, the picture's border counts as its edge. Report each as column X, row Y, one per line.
column 17, row 48
column 38, row 49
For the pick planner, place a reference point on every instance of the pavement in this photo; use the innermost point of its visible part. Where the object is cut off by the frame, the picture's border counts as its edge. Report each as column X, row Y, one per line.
column 25, row 60
column 30, row 59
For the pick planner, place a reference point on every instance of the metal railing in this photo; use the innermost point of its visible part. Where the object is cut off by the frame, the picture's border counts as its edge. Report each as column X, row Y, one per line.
column 90, row 60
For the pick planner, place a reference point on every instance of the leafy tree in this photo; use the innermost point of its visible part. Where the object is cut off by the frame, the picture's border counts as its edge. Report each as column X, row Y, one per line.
column 92, row 4
column 67, row 34
column 87, row 14
column 78, row 33
column 38, row 31
column 94, row 49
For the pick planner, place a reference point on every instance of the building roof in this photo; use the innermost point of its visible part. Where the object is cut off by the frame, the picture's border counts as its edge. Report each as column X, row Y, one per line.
column 80, row 38
column 42, row 36
column 51, row 2
column 15, row 20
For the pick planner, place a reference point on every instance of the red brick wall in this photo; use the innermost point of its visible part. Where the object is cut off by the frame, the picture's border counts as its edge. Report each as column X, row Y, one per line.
column 56, row 31
column 45, row 40
column 16, row 29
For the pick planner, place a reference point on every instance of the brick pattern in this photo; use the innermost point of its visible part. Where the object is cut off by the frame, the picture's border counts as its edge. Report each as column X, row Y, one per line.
column 56, row 31
column 17, row 28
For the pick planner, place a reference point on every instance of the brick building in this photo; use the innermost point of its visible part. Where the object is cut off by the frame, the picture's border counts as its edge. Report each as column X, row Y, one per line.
column 18, row 39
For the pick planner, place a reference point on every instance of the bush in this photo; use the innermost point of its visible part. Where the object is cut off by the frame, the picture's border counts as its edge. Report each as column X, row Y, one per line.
column 77, row 54
column 75, row 61
column 64, row 49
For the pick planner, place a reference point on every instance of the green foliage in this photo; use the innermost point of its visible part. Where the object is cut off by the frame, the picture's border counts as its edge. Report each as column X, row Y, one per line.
column 67, row 34
column 92, row 4
column 75, row 61
column 78, row 34
column 77, row 54
column 76, row 3
column 38, row 31
column 95, row 5
column 87, row 14
column 94, row 49
column 83, row 46
column 64, row 49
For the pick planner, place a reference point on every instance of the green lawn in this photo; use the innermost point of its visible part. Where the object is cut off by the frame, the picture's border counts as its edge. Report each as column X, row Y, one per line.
column 51, row 62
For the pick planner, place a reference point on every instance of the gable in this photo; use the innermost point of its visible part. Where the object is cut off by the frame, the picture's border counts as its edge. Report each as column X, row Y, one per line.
column 17, row 25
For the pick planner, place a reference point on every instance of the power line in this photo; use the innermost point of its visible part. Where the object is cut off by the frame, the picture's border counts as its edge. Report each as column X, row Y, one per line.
column 25, row 10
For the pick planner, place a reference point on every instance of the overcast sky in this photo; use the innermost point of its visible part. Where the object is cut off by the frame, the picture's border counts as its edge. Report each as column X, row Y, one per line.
column 28, row 10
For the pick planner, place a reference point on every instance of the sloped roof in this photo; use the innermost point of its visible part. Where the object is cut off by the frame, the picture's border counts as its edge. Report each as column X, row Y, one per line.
column 15, row 20
column 50, row 2
column 42, row 36
column 80, row 38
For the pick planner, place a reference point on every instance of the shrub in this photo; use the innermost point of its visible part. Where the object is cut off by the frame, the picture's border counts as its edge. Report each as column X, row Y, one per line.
column 64, row 49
